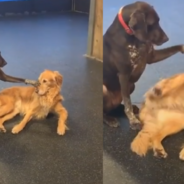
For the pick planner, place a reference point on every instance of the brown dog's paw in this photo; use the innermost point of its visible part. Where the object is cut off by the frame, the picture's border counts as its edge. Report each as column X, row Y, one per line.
column 2, row 129
column 182, row 49
column 135, row 124
column 111, row 121
column 160, row 153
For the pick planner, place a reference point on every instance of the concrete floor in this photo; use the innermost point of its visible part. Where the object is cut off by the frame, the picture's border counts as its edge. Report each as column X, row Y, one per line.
column 38, row 155
column 121, row 166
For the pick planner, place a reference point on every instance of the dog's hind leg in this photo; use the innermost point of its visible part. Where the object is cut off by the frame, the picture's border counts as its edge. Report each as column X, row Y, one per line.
column 108, row 105
column 171, row 125
column 6, row 107
column 5, row 118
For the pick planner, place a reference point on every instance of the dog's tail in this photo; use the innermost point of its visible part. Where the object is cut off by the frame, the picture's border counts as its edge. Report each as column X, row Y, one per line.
column 141, row 143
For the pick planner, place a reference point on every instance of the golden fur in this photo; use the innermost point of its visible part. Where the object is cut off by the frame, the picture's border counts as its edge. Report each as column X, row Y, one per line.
column 32, row 102
column 162, row 114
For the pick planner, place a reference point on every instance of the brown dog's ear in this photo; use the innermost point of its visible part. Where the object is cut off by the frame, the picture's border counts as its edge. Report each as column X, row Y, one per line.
column 58, row 78
column 138, row 25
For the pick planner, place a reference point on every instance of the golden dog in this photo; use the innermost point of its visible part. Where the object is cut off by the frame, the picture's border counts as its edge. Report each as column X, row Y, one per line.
column 34, row 102
column 162, row 114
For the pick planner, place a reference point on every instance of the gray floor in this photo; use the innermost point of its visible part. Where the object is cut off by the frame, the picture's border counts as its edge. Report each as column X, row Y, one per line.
column 38, row 155
column 121, row 166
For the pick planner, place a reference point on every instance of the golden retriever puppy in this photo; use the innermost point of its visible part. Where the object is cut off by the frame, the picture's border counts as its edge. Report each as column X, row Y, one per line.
column 162, row 114
column 32, row 102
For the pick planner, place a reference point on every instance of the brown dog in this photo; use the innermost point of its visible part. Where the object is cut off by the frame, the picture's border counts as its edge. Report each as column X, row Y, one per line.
column 162, row 114
column 7, row 78
column 127, row 49
column 34, row 102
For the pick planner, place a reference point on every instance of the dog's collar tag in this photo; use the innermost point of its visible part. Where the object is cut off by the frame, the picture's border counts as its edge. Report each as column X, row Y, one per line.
column 127, row 29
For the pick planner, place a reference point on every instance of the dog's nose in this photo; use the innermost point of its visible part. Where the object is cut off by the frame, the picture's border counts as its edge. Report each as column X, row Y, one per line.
column 165, row 38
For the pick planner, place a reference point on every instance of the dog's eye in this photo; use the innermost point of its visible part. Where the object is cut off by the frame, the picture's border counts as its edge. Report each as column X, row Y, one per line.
column 44, row 81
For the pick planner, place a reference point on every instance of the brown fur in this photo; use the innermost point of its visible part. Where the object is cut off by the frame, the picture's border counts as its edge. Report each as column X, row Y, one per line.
column 162, row 115
column 34, row 102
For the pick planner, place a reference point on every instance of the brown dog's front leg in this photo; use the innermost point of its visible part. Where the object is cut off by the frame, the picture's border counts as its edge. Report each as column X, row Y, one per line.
column 125, row 90
column 159, row 55
column 7, row 78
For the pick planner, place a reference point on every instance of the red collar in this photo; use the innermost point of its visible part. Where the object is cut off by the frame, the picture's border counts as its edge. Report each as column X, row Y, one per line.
column 127, row 29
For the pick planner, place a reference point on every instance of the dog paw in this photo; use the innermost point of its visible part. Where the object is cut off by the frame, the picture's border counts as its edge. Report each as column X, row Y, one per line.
column 181, row 155
column 61, row 130
column 111, row 121
column 160, row 153
column 135, row 124
column 182, row 48
column 2, row 129
column 140, row 150
column 16, row 129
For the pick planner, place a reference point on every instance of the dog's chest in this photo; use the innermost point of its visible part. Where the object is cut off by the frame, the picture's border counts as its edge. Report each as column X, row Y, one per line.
column 42, row 112
column 138, row 59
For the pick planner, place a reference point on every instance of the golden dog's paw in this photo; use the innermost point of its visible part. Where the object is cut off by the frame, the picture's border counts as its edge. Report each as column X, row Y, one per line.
column 61, row 130
column 181, row 155
column 2, row 129
column 140, row 150
column 16, row 129
column 160, row 153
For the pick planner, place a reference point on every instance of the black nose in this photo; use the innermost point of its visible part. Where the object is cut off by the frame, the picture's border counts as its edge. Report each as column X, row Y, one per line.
column 165, row 38
column 4, row 63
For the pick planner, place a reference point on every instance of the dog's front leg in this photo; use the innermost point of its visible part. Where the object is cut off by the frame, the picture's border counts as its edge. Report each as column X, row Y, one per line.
column 17, row 128
column 125, row 90
column 159, row 55
column 7, row 78
column 63, row 115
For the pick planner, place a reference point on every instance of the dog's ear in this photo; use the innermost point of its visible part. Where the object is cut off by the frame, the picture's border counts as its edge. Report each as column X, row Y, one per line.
column 58, row 78
column 138, row 25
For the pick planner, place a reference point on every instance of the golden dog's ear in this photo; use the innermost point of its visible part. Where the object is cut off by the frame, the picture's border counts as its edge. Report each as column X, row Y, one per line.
column 58, row 78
